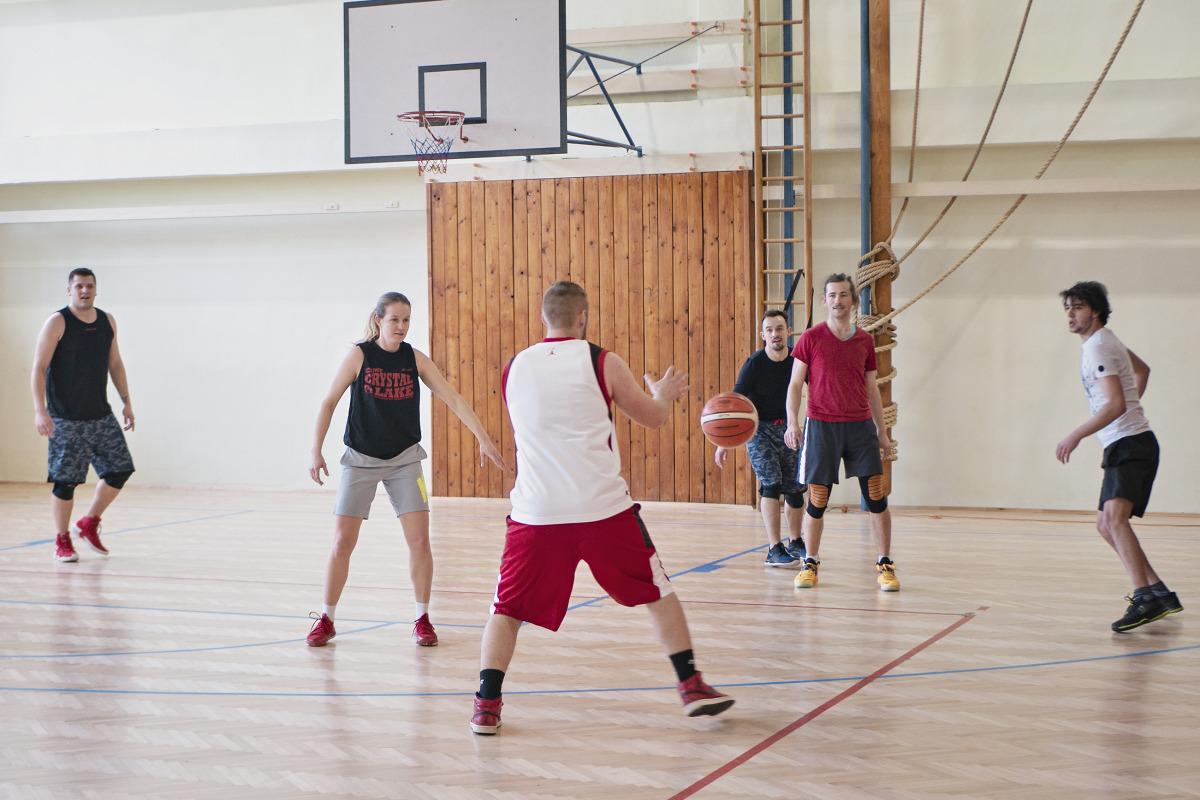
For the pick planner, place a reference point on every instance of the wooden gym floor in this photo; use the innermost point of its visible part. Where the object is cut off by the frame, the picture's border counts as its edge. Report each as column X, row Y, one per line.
column 177, row 666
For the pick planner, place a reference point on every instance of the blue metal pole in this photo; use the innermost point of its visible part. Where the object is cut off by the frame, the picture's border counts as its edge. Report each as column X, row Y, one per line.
column 864, row 158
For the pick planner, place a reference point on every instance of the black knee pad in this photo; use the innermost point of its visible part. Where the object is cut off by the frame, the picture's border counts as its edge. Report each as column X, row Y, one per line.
column 794, row 499
column 117, row 479
column 64, row 491
column 816, row 512
column 770, row 492
column 874, row 506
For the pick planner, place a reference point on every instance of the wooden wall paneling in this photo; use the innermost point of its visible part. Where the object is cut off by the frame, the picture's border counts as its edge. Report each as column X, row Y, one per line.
column 562, row 232
column 636, row 352
column 466, row 331
column 714, row 381
column 604, row 263
column 680, row 202
column 618, row 191
column 434, row 221
column 543, row 200
column 744, row 301
column 448, row 302
column 665, row 304
column 700, row 453
column 480, row 332
column 650, row 312
column 494, row 194
column 578, row 247
column 506, row 267
column 726, row 255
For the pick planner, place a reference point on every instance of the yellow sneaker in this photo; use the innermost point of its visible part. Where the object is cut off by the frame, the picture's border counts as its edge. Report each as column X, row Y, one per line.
column 807, row 577
column 888, row 582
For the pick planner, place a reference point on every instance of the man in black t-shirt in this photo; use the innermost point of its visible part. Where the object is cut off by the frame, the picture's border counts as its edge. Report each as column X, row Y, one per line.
column 76, row 352
column 764, row 379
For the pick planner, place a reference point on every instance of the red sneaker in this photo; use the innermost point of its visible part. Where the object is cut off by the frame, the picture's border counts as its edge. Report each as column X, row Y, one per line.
column 424, row 634
column 700, row 699
column 63, row 549
column 88, row 529
column 322, row 630
column 486, row 719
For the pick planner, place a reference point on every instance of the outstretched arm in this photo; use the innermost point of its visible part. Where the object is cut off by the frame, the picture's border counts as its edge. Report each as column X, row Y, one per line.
column 346, row 373
column 432, row 377
column 116, row 368
column 650, row 410
column 43, row 352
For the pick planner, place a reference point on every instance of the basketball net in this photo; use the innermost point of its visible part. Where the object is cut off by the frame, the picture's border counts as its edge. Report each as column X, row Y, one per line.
column 432, row 134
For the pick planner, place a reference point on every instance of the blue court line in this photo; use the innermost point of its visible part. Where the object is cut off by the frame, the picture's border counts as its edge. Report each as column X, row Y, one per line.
column 180, row 650
column 39, row 542
column 585, row 690
column 707, row 567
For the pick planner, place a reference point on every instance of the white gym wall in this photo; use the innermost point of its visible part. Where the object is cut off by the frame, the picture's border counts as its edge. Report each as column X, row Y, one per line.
column 190, row 151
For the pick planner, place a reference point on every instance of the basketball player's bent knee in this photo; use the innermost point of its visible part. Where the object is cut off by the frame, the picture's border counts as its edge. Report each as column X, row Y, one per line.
column 771, row 492
column 873, row 493
column 117, row 479
column 64, row 491
column 818, row 499
column 794, row 499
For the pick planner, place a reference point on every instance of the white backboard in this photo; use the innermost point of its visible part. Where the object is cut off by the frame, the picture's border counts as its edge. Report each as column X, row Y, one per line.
column 501, row 62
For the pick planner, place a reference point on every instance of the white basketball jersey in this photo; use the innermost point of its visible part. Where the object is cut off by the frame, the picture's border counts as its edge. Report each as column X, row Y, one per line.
column 568, row 467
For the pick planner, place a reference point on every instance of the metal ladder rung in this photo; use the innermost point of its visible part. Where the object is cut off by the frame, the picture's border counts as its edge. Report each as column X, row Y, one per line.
column 782, row 272
column 778, row 148
column 781, row 53
column 781, row 178
column 789, row 240
column 783, row 85
column 783, row 209
column 780, row 116
column 775, row 23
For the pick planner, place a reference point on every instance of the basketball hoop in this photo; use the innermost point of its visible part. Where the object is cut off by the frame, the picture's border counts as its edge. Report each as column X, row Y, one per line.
column 432, row 133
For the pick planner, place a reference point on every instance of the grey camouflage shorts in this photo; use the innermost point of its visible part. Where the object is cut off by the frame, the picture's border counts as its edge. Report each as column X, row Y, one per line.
column 773, row 461
column 76, row 443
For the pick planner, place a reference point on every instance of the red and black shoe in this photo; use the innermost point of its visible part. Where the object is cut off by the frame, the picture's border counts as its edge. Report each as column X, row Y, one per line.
column 63, row 549
column 486, row 719
column 700, row 699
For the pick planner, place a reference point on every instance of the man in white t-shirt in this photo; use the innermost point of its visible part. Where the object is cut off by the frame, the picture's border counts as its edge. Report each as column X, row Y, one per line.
column 1115, row 379
column 570, row 503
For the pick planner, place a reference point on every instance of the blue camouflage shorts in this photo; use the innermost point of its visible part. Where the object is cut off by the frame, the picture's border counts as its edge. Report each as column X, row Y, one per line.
column 772, row 460
column 76, row 443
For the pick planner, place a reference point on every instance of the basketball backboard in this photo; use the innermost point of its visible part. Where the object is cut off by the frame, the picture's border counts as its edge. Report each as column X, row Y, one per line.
column 501, row 62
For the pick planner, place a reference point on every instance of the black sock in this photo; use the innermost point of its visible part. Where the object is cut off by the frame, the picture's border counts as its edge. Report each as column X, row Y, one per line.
column 489, row 683
column 684, row 663
column 1158, row 589
column 884, row 560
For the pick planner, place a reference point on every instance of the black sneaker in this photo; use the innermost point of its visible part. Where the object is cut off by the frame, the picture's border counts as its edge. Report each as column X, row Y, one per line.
column 1141, row 610
column 795, row 549
column 777, row 556
column 1171, row 603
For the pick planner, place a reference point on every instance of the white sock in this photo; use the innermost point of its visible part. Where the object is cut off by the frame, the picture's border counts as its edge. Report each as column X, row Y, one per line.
column 422, row 610
column 329, row 611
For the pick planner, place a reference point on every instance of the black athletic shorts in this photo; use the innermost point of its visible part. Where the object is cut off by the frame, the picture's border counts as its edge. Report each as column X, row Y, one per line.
column 827, row 443
column 1130, row 465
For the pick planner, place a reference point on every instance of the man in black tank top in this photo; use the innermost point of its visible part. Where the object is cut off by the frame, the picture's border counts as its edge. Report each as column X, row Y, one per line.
column 76, row 352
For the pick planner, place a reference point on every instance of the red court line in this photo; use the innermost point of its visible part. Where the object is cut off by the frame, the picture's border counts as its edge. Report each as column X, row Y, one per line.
column 818, row 711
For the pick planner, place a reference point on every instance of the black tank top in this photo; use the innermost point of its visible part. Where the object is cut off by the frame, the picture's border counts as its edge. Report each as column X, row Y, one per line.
column 385, row 405
column 77, row 378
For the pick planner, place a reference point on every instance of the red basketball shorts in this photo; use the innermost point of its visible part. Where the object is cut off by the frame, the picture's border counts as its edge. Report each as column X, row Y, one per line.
column 537, row 570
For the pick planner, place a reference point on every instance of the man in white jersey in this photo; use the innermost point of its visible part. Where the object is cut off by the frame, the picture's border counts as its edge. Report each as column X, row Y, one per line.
column 1115, row 379
column 570, row 503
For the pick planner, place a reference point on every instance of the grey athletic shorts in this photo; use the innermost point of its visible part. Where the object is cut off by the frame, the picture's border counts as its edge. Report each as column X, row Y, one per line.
column 76, row 443
column 827, row 443
column 401, row 477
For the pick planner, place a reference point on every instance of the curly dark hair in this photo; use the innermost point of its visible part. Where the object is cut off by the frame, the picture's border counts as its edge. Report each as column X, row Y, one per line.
column 1093, row 294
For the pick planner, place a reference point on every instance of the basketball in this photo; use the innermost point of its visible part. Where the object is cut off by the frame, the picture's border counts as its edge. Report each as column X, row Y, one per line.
column 729, row 420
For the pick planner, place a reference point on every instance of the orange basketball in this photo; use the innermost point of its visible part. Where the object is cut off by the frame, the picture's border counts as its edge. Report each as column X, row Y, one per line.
column 729, row 420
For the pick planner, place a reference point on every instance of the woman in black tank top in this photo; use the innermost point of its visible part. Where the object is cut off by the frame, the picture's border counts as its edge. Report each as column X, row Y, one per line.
column 383, row 432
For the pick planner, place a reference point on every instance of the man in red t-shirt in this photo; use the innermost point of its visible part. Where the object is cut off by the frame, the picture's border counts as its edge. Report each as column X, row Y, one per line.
column 844, row 423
